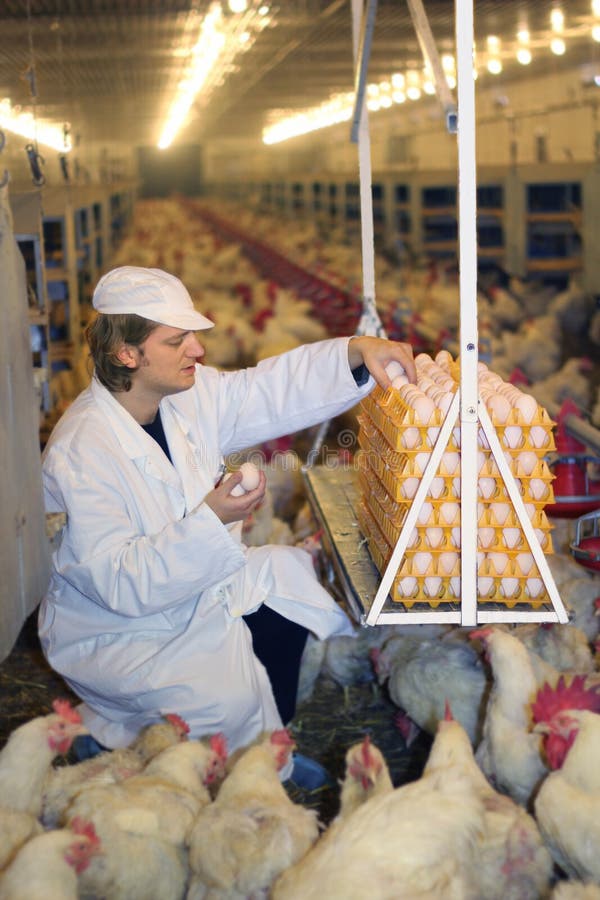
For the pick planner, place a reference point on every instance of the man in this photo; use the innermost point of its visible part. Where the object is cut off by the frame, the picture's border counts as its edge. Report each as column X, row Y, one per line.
column 144, row 614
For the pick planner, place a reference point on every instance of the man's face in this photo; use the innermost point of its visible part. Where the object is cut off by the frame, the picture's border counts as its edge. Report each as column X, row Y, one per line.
column 167, row 361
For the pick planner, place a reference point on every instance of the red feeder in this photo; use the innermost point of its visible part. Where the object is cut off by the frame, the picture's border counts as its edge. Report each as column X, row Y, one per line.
column 586, row 546
column 575, row 493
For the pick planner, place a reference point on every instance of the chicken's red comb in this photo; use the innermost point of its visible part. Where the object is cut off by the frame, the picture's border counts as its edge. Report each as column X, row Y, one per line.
column 448, row 717
column 283, row 737
column 179, row 724
column 80, row 826
column 480, row 634
column 218, row 745
column 575, row 695
column 365, row 750
column 63, row 708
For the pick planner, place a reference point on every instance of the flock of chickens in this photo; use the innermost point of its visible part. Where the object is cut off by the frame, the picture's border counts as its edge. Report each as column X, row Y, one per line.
column 171, row 818
column 508, row 804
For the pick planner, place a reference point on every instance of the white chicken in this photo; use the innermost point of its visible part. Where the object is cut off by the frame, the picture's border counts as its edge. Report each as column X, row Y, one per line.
column 567, row 806
column 509, row 754
column 16, row 828
column 253, row 831
column 418, row 841
column 47, row 866
column 63, row 783
column 27, row 756
column 426, row 674
column 367, row 776
column 513, row 863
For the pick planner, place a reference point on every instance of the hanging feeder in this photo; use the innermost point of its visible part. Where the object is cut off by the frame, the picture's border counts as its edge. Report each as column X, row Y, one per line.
column 586, row 546
column 575, row 491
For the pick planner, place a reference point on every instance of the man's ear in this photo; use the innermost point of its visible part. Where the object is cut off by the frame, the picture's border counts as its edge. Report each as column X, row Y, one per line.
column 128, row 355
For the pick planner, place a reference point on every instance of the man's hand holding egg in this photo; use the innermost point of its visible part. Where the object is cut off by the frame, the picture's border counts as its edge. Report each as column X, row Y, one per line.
column 378, row 354
column 234, row 502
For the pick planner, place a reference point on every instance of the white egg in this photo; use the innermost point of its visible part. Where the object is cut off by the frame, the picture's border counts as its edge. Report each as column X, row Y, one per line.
column 500, row 512
column 410, row 438
column 486, row 537
column 513, row 436
column 481, row 368
column 534, row 587
column 413, row 538
column 498, row 562
column 455, row 492
column 409, row 487
column 444, row 359
column 487, row 487
column 455, row 536
column 433, row 585
column 450, row 462
column 499, row 408
column 425, row 514
column 447, row 562
column 482, row 459
column 421, row 562
column 509, row 587
column 399, row 381
column 485, row 585
column 527, row 406
column 437, row 488
column 250, row 476
column 539, row 489
column 421, row 460
column 407, row 586
column 393, row 369
column 455, row 585
column 424, row 408
column 539, row 436
column 524, row 562
column 526, row 462
column 512, row 537
column 449, row 513
column 434, row 536
column 422, row 359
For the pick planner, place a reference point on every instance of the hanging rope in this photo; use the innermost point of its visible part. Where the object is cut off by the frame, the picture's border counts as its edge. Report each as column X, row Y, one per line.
column 33, row 155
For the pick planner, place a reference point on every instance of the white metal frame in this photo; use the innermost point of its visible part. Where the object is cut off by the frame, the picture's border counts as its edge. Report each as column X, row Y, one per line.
column 467, row 404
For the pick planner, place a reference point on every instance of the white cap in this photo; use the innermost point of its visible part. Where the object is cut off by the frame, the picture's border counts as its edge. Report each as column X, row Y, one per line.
column 150, row 293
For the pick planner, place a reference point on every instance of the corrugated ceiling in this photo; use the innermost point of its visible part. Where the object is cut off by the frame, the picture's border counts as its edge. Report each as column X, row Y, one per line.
column 110, row 66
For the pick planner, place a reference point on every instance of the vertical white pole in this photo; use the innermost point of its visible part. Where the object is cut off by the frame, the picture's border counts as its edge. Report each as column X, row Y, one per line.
column 467, row 212
column 364, row 168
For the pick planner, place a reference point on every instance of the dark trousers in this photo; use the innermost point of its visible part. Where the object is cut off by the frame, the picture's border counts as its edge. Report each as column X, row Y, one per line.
column 278, row 643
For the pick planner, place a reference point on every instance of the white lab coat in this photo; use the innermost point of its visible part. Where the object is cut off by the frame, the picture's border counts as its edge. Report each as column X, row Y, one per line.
column 142, row 616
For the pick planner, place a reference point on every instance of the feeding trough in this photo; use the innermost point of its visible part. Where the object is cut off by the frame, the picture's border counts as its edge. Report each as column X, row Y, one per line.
column 586, row 546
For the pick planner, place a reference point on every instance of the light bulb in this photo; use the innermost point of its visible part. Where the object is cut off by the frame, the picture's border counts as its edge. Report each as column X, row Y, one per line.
column 494, row 66
column 524, row 56
column 558, row 46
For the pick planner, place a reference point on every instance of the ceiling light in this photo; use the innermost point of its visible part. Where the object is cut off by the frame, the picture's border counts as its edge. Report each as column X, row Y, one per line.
column 558, row 46
column 220, row 39
column 337, row 109
column 557, row 19
column 494, row 66
column 524, row 56
column 596, row 33
column 385, row 102
column 398, row 80
column 399, row 97
column 523, row 36
column 413, row 84
column 596, row 7
column 25, row 125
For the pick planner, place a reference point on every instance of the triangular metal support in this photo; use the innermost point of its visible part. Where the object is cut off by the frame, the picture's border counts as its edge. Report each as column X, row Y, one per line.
column 468, row 613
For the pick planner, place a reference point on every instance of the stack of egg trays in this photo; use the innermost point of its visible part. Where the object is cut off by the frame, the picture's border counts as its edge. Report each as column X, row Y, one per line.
column 386, row 465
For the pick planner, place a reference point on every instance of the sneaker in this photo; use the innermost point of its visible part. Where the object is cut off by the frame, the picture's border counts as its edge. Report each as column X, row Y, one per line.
column 85, row 747
column 309, row 774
